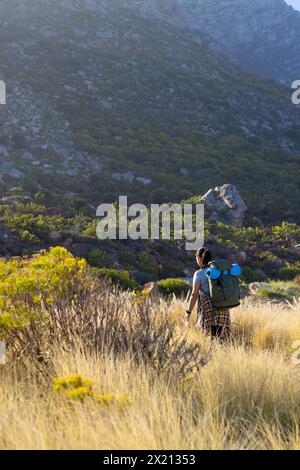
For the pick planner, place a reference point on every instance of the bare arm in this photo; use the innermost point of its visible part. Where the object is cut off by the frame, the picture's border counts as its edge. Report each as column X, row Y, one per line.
column 192, row 302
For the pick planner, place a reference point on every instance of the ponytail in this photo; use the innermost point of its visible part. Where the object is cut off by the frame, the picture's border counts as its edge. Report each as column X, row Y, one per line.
column 206, row 257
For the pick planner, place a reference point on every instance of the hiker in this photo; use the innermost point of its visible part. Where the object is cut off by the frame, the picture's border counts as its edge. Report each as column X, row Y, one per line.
column 212, row 320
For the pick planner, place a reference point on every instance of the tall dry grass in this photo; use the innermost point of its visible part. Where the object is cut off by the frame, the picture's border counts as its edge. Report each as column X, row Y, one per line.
column 244, row 395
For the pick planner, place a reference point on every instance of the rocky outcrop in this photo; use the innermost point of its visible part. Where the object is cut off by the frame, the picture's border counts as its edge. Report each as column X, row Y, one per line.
column 225, row 205
column 150, row 289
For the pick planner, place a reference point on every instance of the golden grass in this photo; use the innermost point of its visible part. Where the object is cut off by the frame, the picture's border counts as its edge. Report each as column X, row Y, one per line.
column 246, row 397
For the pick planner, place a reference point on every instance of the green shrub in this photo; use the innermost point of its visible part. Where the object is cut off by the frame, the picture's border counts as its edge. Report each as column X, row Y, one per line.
column 17, row 191
column 97, row 258
column 267, row 257
column 289, row 271
column 121, row 279
column 148, row 265
column 281, row 291
column 249, row 275
column 177, row 287
column 270, row 294
column 90, row 229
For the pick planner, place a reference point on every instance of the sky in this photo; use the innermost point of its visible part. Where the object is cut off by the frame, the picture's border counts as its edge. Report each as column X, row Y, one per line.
column 294, row 3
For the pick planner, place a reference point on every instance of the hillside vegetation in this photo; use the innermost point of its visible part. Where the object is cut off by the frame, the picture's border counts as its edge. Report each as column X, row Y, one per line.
column 127, row 103
column 100, row 369
column 27, row 226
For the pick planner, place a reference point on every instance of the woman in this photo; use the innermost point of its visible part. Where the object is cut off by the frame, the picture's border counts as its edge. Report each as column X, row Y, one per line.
column 214, row 321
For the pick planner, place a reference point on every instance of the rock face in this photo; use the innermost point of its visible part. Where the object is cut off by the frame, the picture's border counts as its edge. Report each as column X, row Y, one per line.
column 225, row 205
column 263, row 36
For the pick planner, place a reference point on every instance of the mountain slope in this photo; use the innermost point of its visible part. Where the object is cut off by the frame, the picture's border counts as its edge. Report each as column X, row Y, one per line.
column 263, row 36
column 104, row 99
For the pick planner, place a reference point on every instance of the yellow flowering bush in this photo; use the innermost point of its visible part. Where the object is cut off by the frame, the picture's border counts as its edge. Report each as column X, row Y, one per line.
column 79, row 394
column 112, row 399
column 140, row 296
column 28, row 283
column 78, row 389
column 72, row 382
column 75, row 387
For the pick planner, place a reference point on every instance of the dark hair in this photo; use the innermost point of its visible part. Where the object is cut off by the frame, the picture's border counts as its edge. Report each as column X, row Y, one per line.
column 206, row 254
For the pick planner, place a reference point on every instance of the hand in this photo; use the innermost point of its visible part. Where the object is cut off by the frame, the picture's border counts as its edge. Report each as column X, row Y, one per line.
column 187, row 319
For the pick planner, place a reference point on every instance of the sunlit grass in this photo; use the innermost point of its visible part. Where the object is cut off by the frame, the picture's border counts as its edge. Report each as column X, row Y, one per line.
column 247, row 396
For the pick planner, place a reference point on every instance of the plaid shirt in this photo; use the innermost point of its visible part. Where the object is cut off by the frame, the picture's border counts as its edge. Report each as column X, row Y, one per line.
column 209, row 316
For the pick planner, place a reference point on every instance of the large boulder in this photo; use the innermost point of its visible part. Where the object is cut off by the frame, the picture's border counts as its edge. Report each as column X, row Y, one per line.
column 255, row 287
column 151, row 289
column 225, row 205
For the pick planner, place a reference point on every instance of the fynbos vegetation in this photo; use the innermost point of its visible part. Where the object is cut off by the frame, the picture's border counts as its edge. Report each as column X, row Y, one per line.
column 119, row 365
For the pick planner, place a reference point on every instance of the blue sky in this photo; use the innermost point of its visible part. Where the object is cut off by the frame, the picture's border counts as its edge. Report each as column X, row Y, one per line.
column 294, row 3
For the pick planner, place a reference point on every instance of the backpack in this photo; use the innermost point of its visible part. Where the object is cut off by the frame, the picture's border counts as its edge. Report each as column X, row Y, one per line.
column 224, row 285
